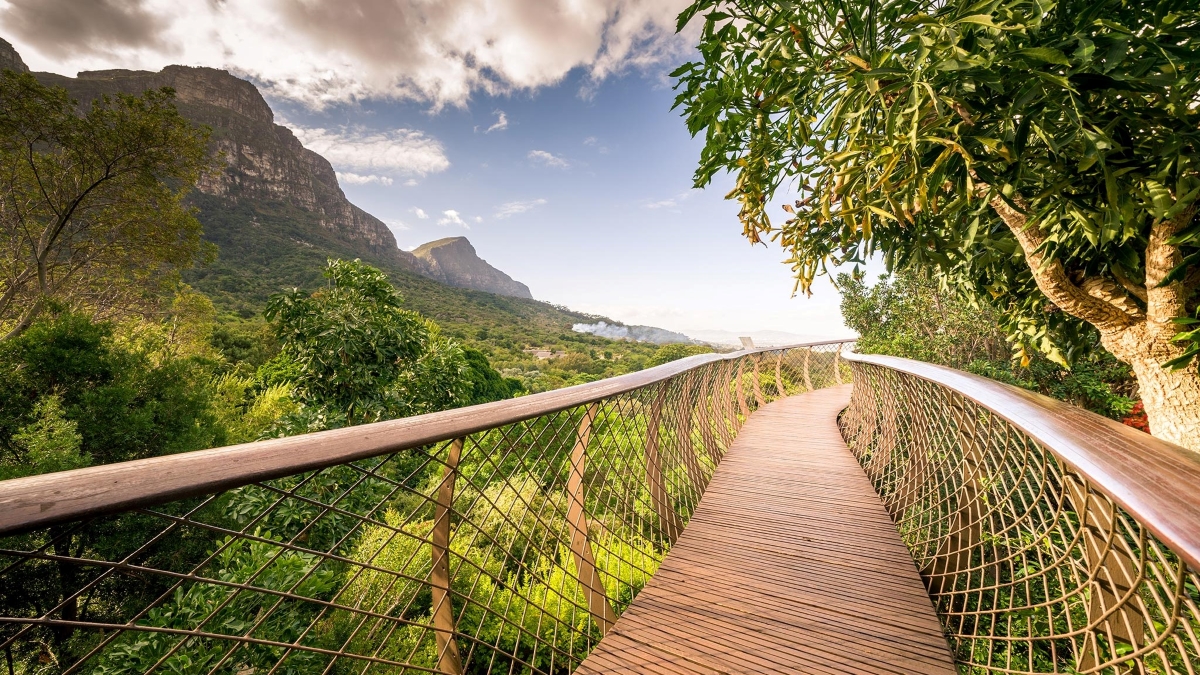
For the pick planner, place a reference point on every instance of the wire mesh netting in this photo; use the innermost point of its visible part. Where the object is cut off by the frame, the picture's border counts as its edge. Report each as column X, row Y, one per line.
column 510, row 550
column 1031, row 568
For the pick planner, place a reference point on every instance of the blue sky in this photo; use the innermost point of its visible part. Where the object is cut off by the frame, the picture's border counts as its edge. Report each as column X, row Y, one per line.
column 546, row 137
column 601, row 215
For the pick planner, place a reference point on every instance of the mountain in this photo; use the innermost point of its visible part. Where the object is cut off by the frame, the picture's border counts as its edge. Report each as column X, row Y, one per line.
column 265, row 162
column 453, row 261
column 276, row 214
column 10, row 59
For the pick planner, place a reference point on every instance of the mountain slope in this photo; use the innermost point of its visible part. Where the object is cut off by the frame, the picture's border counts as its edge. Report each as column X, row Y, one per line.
column 453, row 261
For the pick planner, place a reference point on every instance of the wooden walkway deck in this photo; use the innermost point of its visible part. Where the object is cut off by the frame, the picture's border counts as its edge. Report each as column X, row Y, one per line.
column 789, row 565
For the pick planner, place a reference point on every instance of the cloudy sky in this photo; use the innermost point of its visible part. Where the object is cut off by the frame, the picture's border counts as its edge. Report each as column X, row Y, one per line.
column 541, row 130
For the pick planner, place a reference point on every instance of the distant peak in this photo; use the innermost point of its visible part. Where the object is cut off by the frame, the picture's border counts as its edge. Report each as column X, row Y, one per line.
column 453, row 261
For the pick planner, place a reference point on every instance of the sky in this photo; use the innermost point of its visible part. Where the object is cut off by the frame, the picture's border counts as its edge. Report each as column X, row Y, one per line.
column 542, row 131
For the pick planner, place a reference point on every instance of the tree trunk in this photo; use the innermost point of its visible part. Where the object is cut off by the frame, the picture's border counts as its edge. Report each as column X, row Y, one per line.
column 1141, row 338
column 1171, row 397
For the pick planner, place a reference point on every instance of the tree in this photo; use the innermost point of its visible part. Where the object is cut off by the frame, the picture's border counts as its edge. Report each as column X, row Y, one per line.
column 351, row 349
column 1041, row 154
column 91, row 201
column 909, row 315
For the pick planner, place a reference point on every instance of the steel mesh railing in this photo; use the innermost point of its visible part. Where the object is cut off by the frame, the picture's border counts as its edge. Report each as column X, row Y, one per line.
column 1033, row 567
column 508, row 549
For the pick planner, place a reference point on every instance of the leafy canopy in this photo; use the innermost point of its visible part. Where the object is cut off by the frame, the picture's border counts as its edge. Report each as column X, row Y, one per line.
column 91, row 201
column 351, row 349
column 908, row 127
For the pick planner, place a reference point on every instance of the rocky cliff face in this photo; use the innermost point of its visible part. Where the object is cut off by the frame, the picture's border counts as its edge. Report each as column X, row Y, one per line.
column 453, row 261
column 10, row 59
column 264, row 161
column 267, row 166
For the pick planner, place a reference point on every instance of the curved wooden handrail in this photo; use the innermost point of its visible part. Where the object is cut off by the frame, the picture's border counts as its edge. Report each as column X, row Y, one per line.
column 1156, row 482
column 39, row 501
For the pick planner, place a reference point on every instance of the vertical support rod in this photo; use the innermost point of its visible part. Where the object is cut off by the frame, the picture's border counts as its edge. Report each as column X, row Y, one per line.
column 449, row 660
column 758, row 394
column 1114, row 576
column 728, row 418
column 659, row 497
column 741, row 391
column 779, row 391
column 807, row 372
column 708, row 400
column 581, row 547
column 837, row 364
column 683, row 435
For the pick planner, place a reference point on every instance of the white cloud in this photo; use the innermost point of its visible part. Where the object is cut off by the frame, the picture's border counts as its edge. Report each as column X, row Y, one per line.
column 671, row 202
column 477, row 219
column 357, row 179
column 419, row 212
column 396, row 224
column 508, row 209
column 452, row 217
column 546, row 159
column 319, row 52
column 501, row 122
column 411, row 182
column 363, row 151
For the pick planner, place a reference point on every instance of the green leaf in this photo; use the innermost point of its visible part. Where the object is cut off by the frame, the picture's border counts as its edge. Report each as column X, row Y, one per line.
column 1045, row 55
column 979, row 19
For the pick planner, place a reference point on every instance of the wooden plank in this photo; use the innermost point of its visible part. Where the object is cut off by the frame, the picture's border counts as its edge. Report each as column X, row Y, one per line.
column 790, row 564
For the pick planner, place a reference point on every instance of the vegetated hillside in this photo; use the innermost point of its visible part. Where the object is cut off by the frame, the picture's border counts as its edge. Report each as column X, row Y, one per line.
column 276, row 214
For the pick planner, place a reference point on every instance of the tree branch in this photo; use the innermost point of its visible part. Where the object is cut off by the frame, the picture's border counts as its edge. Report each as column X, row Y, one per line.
column 1051, row 277
column 1165, row 301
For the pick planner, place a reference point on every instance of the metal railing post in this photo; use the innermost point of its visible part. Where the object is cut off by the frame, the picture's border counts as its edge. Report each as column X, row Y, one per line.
column 837, row 363
column 741, row 393
column 758, row 394
column 659, row 497
column 780, row 392
column 1113, row 576
column 449, row 660
column 581, row 546
column 807, row 373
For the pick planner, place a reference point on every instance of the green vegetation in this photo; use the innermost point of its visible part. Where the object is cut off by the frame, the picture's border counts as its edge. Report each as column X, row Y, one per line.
column 91, row 203
column 911, row 316
column 1043, row 156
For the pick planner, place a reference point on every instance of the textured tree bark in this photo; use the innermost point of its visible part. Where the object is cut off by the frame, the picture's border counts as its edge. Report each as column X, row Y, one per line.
column 1141, row 338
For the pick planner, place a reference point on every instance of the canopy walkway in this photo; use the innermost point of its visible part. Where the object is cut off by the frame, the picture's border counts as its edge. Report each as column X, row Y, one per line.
column 789, row 565
column 795, row 510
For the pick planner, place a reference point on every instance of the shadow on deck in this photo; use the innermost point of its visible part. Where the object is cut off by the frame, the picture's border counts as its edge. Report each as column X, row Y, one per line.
column 789, row 565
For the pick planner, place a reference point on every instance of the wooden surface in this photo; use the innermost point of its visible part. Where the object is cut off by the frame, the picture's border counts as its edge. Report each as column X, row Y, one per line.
column 40, row 501
column 1153, row 480
column 789, row 565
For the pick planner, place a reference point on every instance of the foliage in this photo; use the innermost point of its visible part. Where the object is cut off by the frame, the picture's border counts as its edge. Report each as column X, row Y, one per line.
column 352, row 350
column 51, row 442
column 123, row 397
column 91, row 201
column 486, row 383
column 911, row 316
column 908, row 127
column 674, row 352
